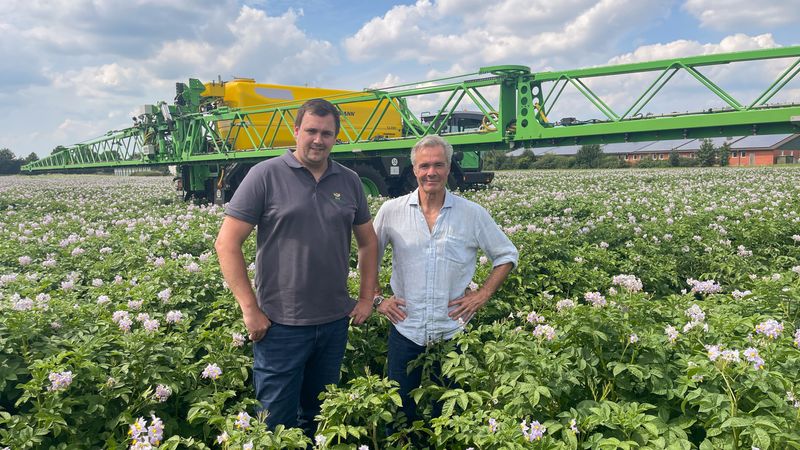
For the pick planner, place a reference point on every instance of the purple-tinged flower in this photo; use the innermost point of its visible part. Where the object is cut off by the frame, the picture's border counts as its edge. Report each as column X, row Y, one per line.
column 546, row 331
column 630, row 283
column 67, row 285
column 534, row 318
column 55, row 325
column 770, row 328
column 135, row 304
column 363, row 447
column 320, row 440
column 249, row 446
column 103, row 299
column 237, row 339
column 212, row 371
column 159, row 262
column 564, row 304
column 713, row 352
column 105, row 251
column 730, row 355
column 797, row 338
column 141, row 317
column 596, row 299
column 223, row 437
column 633, row 338
column 151, row 325
column 49, row 263
column 573, row 425
column 695, row 313
column 24, row 260
column 704, row 287
column 243, row 420
column 672, row 333
column 483, row 260
column 155, row 432
column 77, row 251
column 22, row 304
column 750, row 353
column 125, row 324
column 174, row 316
column 192, row 267
column 59, row 380
column 533, row 432
column 165, row 295
column 492, row 425
column 119, row 315
column 97, row 282
column 738, row 295
column 163, row 392
column 138, row 431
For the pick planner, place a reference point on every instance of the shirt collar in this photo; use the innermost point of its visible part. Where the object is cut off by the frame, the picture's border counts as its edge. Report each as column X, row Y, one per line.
column 448, row 198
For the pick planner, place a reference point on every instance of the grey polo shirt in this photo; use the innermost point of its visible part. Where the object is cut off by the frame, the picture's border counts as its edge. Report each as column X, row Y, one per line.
column 304, row 229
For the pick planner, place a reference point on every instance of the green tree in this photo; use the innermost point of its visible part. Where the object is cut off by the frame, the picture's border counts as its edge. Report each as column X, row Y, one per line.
column 526, row 159
column 8, row 162
column 674, row 158
column 707, row 154
column 589, row 156
column 724, row 154
column 31, row 158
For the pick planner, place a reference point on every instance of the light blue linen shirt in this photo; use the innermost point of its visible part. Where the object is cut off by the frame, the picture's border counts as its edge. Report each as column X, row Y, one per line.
column 431, row 268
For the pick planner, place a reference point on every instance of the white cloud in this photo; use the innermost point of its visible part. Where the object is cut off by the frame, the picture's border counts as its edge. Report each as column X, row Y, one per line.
column 681, row 48
column 508, row 31
column 729, row 15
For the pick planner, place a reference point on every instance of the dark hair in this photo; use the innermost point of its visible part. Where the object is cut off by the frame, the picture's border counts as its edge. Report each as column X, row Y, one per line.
column 318, row 107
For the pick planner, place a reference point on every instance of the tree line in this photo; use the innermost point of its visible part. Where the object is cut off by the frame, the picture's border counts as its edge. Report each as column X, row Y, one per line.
column 10, row 164
column 592, row 157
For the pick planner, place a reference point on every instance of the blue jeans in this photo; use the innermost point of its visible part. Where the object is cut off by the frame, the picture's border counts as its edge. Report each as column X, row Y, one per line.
column 403, row 351
column 292, row 365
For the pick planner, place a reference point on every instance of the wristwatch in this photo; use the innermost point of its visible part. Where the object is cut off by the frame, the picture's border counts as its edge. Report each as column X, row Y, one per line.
column 377, row 301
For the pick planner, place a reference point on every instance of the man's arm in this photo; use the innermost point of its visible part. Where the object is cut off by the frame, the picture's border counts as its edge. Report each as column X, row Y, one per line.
column 229, row 242
column 472, row 301
column 368, row 270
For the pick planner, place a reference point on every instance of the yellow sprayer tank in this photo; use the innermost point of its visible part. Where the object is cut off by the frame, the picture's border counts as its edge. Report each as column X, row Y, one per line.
column 246, row 93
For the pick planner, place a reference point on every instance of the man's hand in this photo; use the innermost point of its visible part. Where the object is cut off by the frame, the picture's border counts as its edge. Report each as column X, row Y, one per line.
column 391, row 308
column 362, row 311
column 257, row 324
column 467, row 305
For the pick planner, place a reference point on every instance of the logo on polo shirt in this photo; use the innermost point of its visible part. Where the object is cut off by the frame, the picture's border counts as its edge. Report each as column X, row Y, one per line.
column 337, row 195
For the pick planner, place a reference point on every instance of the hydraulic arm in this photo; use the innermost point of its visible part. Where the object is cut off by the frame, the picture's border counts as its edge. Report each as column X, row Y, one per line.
column 200, row 130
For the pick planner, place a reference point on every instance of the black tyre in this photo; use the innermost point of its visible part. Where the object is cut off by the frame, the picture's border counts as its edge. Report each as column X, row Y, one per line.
column 373, row 181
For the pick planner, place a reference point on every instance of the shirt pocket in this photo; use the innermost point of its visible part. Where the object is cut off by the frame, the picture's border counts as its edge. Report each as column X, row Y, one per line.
column 458, row 250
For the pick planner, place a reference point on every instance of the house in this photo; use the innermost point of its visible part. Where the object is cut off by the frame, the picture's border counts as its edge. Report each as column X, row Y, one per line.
column 760, row 150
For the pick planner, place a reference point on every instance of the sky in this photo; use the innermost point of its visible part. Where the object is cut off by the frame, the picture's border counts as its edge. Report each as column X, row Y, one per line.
column 70, row 70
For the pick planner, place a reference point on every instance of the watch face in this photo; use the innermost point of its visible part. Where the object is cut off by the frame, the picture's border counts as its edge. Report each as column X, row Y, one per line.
column 377, row 300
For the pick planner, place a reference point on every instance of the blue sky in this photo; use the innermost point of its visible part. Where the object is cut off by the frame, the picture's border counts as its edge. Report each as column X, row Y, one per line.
column 73, row 69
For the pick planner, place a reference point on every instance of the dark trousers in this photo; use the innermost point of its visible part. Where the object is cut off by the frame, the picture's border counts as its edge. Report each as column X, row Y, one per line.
column 403, row 351
column 292, row 365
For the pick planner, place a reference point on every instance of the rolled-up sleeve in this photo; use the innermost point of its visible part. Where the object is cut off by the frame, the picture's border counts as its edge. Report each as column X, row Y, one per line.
column 491, row 239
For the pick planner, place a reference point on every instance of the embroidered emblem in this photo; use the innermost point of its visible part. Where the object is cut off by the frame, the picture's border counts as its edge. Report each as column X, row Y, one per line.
column 337, row 196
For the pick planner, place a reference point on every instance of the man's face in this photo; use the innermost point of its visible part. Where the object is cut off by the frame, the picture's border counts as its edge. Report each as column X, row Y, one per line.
column 315, row 138
column 431, row 169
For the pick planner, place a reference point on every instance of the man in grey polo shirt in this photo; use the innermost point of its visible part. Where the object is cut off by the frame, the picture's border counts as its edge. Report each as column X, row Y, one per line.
column 305, row 207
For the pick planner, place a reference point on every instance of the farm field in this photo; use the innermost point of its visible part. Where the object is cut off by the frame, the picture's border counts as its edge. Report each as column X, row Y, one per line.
column 652, row 309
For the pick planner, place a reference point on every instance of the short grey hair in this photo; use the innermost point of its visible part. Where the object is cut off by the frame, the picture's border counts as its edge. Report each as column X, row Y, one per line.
column 432, row 140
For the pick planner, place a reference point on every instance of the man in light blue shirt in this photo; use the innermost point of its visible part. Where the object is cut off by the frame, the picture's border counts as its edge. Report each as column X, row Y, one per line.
column 435, row 237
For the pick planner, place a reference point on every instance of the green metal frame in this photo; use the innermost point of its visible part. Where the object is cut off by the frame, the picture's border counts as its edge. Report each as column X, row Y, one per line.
column 188, row 135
